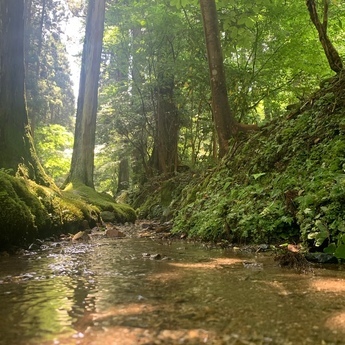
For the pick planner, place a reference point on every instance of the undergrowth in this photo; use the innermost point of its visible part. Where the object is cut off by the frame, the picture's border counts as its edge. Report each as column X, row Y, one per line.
column 285, row 183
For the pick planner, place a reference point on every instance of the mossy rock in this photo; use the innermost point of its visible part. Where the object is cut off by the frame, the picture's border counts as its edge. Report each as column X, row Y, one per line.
column 100, row 202
column 29, row 211
column 108, row 217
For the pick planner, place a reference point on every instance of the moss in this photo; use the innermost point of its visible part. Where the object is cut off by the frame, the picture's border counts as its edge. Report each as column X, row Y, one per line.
column 16, row 218
column 97, row 202
column 29, row 211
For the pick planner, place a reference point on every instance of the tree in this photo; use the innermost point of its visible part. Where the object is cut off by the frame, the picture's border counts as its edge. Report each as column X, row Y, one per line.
column 224, row 119
column 17, row 153
column 164, row 154
column 139, row 83
column 49, row 94
column 82, row 165
column 332, row 54
column 123, row 178
column 150, row 45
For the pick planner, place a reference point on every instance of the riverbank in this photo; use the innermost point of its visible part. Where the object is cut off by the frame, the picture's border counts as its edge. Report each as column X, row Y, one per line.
column 285, row 184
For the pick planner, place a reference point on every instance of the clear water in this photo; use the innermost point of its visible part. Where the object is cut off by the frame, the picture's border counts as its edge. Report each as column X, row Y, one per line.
column 107, row 292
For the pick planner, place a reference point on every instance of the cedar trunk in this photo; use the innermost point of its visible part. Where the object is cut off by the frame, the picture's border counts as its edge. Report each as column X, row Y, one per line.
column 123, row 180
column 164, row 155
column 82, row 165
column 17, row 153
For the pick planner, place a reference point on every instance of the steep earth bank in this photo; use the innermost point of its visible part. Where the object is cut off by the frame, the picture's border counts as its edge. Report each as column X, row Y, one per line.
column 283, row 184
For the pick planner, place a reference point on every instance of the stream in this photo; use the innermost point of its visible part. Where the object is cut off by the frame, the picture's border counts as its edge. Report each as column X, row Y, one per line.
column 137, row 290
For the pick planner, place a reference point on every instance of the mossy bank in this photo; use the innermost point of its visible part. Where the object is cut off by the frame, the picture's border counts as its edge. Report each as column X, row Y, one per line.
column 29, row 211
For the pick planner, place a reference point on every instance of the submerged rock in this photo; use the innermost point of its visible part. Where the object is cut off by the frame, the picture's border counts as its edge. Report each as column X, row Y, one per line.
column 114, row 233
column 81, row 236
column 321, row 258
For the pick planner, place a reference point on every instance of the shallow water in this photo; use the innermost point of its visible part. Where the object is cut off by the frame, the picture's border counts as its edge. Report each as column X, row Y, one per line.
column 108, row 292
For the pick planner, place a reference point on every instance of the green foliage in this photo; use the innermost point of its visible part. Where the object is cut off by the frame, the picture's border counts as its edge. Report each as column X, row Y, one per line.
column 53, row 145
column 241, row 212
column 49, row 92
column 272, row 58
column 285, row 183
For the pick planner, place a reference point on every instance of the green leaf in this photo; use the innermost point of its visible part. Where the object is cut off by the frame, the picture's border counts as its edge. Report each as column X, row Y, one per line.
column 330, row 249
column 340, row 252
column 246, row 21
column 227, row 184
column 175, row 3
column 307, row 211
column 340, row 23
column 321, row 226
column 256, row 176
column 318, row 236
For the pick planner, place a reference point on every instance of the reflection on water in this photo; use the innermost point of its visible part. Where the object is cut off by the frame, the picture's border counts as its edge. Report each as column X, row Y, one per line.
column 107, row 292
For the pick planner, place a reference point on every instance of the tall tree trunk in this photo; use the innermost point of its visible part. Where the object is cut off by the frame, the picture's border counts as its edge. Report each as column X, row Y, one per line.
column 164, row 155
column 40, row 39
column 17, row 152
column 140, row 153
column 123, row 180
column 332, row 54
column 82, row 165
column 224, row 119
column 225, row 123
column 27, row 29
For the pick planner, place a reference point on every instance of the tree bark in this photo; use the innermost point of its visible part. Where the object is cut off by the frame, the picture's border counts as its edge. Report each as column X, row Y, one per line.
column 332, row 54
column 17, row 153
column 40, row 39
column 123, row 180
column 224, row 120
column 82, row 165
column 164, row 155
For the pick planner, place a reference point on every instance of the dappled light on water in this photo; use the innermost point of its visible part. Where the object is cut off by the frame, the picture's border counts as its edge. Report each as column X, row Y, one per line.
column 214, row 263
column 332, row 290
column 337, row 323
column 138, row 291
column 135, row 335
column 328, row 285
